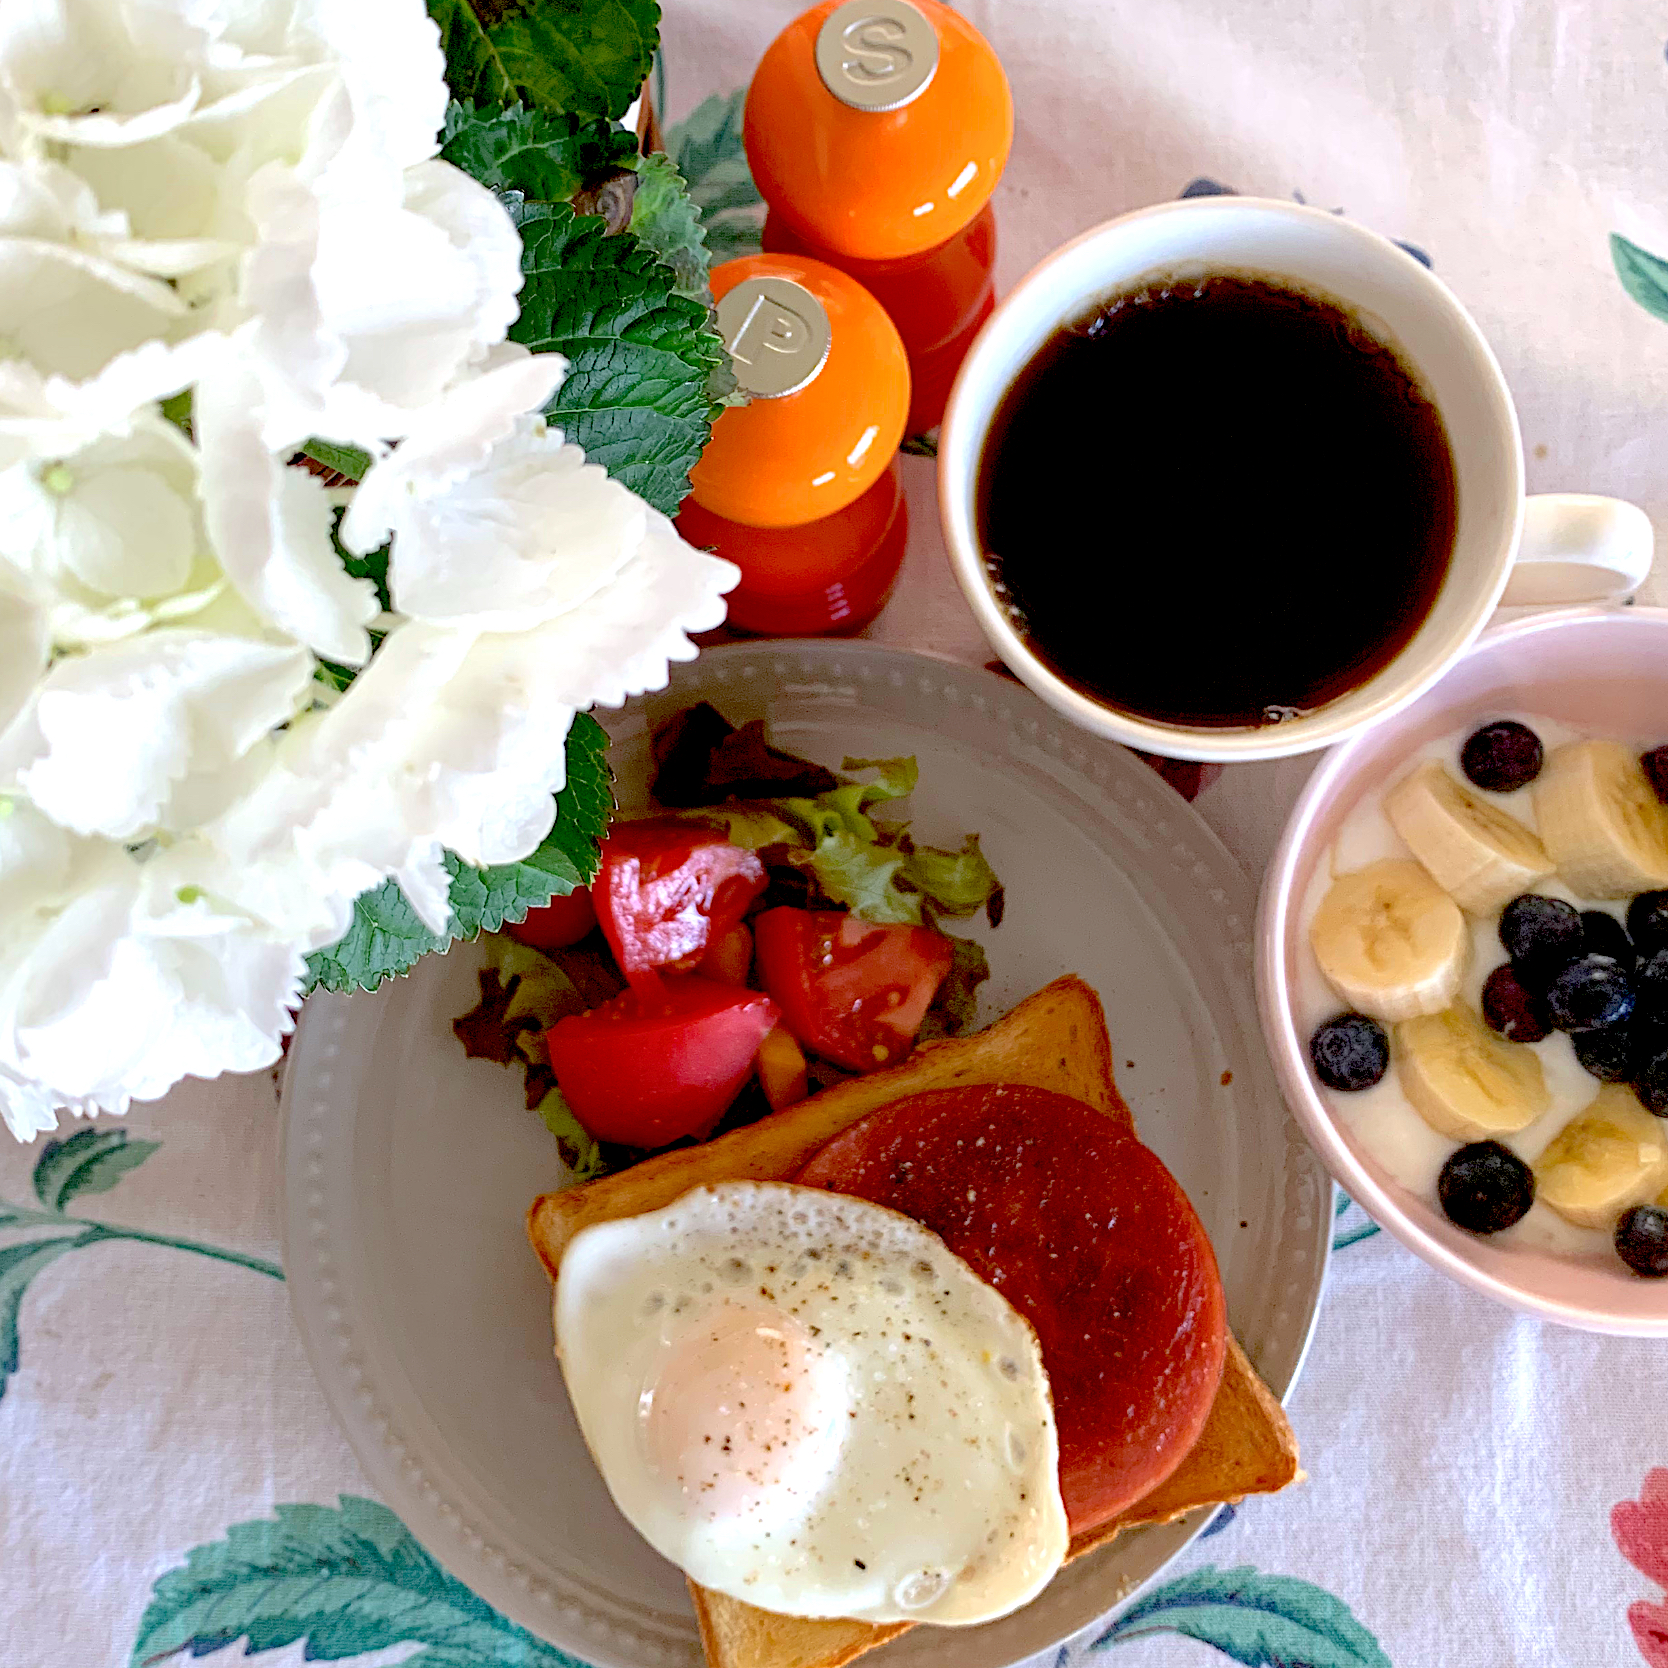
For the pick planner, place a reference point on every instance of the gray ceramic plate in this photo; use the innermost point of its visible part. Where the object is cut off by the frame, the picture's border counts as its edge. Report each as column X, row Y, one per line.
column 408, row 1167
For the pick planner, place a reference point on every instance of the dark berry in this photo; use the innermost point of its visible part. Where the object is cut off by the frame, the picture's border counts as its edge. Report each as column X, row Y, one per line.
column 1656, row 767
column 1590, row 994
column 1606, row 936
column 1512, row 1009
column 1350, row 1052
column 1609, row 1054
column 1485, row 1187
column 1541, row 935
column 1642, row 1240
column 1651, row 981
column 1502, row 757
column 1647, row 922
column 1650, row 1083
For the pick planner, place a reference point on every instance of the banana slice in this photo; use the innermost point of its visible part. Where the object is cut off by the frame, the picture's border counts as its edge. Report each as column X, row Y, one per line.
column 1481, row 857
column 1600, row 821
column 1390, row 941
column 1463, row 1080
column 1604, row 1160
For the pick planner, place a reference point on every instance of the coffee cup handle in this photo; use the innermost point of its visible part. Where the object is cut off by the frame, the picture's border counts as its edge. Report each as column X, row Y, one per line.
column 1579, row 548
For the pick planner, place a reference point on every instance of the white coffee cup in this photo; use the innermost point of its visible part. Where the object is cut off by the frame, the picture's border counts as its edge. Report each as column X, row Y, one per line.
column 1508, row 550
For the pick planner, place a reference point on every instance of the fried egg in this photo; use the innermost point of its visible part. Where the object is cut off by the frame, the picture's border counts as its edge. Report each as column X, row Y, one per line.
column 807, row 1402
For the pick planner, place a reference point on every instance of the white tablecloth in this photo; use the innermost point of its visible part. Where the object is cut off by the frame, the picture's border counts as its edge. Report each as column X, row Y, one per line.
column 1482, row 1489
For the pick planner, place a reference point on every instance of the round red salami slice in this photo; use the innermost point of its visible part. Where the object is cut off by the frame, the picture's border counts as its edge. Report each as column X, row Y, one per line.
column 1089, row 1237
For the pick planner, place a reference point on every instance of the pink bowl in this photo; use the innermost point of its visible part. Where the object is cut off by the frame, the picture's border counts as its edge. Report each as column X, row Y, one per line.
column 1605, row 670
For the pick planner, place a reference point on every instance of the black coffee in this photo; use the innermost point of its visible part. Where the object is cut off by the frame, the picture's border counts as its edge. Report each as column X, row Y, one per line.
column 1217, row 502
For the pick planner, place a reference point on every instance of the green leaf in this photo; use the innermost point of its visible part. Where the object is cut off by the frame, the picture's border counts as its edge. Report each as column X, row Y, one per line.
column 956, row 883
column 19, row 1264
column 706, row 147
column 177, row 409
column 893, row 779
column 1263, row 1621
column 90, row 1161
column 546, row 157
column 345, row 460
column 665, row 219
column 863, row 876
column 347, row 1580
column 585, row 58
column 387, row 938
column 639, row 354
column 956, row 1001
column 578, row 1147
column 1643, row 276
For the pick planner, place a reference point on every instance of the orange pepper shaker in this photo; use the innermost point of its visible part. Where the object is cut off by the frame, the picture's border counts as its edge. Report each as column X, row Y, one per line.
column 799, row 487
column 876, row 131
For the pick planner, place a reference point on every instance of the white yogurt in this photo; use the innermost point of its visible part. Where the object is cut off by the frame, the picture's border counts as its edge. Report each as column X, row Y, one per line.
column 1381, row 1120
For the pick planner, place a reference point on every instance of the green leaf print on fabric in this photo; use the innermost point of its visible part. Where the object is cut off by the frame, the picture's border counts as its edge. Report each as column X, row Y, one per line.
column 347, row 1580
column 1263, row 1621
column 31, row 1238
column 91, row 1161
column 1358, row 1226
column 1644, row 276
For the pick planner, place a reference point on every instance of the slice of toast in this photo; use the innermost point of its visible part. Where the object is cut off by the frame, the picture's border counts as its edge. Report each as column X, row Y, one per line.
column 1055, row 1040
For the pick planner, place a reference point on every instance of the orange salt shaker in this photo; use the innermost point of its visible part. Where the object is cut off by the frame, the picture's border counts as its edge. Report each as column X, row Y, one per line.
column 876, row 131
column 799, row 487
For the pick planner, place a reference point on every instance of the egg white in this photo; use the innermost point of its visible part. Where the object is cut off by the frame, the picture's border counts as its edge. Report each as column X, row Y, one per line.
column 806, row 1401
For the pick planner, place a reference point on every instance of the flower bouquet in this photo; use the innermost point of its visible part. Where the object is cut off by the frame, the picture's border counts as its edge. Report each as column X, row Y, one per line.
column 351, row 362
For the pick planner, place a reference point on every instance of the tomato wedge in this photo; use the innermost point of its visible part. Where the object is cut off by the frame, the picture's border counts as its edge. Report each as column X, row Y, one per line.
column 850, row 990
column 666, row 890
column 561, row 922
column 650, row 1067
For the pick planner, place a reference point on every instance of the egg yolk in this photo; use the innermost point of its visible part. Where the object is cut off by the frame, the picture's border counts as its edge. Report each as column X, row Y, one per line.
column 744, row 1412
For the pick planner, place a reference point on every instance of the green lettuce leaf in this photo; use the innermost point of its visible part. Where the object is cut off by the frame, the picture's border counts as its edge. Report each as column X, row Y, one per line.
column 955, row 1005
column 955, row 883
column 387, row 937
column 545, row 156
column 577, row 1146
column 863, row 875
column 585, row 58
column 640, row 355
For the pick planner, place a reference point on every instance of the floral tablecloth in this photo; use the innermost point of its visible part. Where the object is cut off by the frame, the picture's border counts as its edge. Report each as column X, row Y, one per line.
column 1482, row 1489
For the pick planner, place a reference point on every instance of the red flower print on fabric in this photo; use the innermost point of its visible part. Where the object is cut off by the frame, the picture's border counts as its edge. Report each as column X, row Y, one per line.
column 1641, row 1530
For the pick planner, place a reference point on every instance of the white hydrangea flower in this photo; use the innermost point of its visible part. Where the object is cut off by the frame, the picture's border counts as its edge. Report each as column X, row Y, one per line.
column 114, row 985
column 149, row 733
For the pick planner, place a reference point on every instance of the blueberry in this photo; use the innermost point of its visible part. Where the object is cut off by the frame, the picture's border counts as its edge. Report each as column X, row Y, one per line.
column 1485, row 1187
column 1590, row 994
column 1502, row 757
column 1606, row 936
column 1652, row 982
column 1350, row 1052
column 1642, row 1240
column 1609, row 1054
column 1650, row 1083
column 1541, row 935
column 1656, row 767
column 1647, row 921
column 1514, row 1011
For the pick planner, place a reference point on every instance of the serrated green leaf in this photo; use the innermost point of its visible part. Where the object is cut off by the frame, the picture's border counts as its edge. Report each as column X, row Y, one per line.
column 387, row 938
column 1263, row 1621
column 1644, row 276
column 585, row 58
column 345, row 460
column 707, row 148
column 664, row 217
column 544, row 156
column 348, row 1580
column 639, row 354
column 90, row 1161
column 19, row 1264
